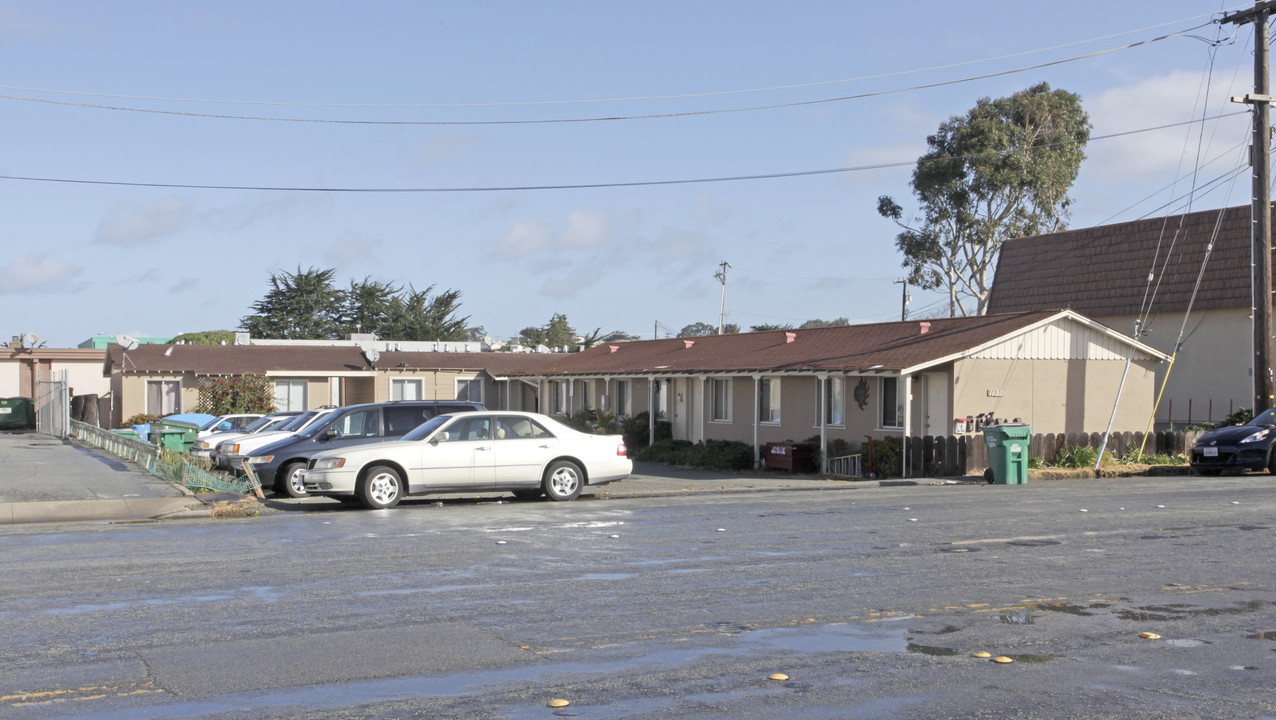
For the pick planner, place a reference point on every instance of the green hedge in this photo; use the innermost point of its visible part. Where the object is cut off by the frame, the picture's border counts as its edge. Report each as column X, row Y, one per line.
column 711, row 454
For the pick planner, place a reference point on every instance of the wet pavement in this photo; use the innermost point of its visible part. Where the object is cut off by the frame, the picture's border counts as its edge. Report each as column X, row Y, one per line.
column 872, row 603
column 49, row 480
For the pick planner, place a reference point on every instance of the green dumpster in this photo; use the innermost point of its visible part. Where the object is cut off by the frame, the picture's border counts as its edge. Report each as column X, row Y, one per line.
column 1008, row 453
column 17, row 413
column 174, row 434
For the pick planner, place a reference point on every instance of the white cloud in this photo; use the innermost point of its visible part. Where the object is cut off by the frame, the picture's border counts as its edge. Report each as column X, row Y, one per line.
column 560, row 285
column 1158, row 101
column 527, row 237
column 130, row 227
column 36, row 274
column 585, row 229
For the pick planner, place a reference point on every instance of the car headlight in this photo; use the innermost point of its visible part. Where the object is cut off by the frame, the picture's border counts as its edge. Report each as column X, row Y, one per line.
column 230, row 449
column 329, row 463
column 1260, row 435
column 202, row 444
column 261, row 459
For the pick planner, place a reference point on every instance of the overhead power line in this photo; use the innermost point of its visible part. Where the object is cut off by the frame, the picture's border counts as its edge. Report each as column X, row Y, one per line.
column 636, row 98
column 610, row 118
column 566, row 186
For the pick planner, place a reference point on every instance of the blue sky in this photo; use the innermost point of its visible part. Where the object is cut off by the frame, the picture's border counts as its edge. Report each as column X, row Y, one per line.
column 391, row 98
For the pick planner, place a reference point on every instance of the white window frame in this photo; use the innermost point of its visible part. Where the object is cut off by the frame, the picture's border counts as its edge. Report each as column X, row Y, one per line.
column 398, row 385
column 166, row 389
column 834, row 389
column 558, row 397
column 661, row 391
column 720, row 388
column 882, row 404
column 285, row 400
column 769, row 401
column 472, row 386
column 623, row 398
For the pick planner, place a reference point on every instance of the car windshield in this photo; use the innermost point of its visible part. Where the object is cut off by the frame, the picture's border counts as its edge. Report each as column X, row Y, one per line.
column 261, row 422
column 1267, row 417
column 318, row 426
column 424, row 429
column 211, row 423
column 298, row 421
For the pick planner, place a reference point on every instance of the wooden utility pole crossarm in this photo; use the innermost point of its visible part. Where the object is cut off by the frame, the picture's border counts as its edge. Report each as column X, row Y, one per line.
column 1260, row 158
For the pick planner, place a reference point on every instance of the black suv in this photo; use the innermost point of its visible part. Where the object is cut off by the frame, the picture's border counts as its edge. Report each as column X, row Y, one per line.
column 278, row 465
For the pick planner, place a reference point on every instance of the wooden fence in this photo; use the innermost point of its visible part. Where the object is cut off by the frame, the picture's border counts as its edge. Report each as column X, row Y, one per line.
column 968, row 455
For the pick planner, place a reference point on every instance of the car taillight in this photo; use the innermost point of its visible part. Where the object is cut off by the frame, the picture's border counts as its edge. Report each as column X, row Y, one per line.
column 621, row 451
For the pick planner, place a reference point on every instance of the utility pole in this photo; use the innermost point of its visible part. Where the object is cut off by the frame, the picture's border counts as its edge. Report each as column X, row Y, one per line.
column 903, row 310
column 721, row 275
column 1260, row 159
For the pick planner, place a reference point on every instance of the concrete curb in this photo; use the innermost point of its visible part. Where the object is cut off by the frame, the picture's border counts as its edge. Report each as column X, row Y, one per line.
column 108, row 511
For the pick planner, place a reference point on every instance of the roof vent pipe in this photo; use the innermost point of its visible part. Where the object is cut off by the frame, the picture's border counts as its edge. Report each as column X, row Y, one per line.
column 687, row 344
column 925, row 327
column 613, row 348
column 789, row 337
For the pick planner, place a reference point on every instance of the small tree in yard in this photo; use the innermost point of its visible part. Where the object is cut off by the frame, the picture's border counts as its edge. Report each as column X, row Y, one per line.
column 236, row 394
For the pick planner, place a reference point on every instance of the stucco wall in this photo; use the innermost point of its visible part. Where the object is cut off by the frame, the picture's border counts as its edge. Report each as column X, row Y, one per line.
column 1211, row 375
column 1055, row 395
column 10, row 384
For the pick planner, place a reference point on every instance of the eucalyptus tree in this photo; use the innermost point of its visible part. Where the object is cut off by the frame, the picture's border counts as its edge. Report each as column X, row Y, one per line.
column 1002, row 170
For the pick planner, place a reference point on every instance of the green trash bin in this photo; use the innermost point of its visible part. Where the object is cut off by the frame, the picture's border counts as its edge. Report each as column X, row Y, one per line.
column 174, row 435
column 1008, row 453
column 17, row 413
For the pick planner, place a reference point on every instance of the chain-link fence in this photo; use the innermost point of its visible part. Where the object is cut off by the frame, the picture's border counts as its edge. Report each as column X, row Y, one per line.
column 160, row 462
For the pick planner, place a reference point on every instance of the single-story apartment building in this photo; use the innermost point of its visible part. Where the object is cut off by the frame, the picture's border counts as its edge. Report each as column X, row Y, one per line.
column 1056, row 370
column 164, row 379
column 23, row 369
column 1150, row 272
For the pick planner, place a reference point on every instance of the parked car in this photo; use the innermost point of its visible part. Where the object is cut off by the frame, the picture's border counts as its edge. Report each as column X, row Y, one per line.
column 1242, row 447
column 279, row 464
column 229, row 454
column 528, row 453
column 204, row 446
column 228, row 423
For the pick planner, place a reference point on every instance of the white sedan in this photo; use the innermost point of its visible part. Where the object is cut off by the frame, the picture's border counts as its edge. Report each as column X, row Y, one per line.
column 478, row 452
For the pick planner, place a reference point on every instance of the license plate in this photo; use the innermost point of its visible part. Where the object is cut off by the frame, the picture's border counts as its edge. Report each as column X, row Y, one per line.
column 1210, row 452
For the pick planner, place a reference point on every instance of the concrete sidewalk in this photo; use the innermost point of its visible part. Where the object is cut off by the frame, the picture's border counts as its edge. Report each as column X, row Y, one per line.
column 44, row 479
column 47, row 480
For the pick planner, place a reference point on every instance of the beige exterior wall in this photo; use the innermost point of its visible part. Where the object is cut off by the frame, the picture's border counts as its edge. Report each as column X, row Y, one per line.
column 435, row 384
column 129, row 392
column 1055, row 396
column 19, row 371
column 1211, row 375
column 10, row 379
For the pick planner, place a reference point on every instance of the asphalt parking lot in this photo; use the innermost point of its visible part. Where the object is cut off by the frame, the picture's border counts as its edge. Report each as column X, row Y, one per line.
column 52, row 480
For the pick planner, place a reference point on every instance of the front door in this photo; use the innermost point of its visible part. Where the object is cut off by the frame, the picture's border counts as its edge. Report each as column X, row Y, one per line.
column 936, row 408
column 678, row 390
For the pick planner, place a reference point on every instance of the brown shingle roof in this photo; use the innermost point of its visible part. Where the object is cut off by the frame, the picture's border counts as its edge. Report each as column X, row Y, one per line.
column 892, row 346
column 1103, row 271
column 241, row 359
column 496, row 364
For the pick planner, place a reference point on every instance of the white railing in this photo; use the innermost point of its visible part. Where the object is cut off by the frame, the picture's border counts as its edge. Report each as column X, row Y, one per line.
column 846, row 466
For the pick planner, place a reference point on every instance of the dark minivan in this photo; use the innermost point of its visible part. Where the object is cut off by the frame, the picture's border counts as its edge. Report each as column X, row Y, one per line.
column 278, row 465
